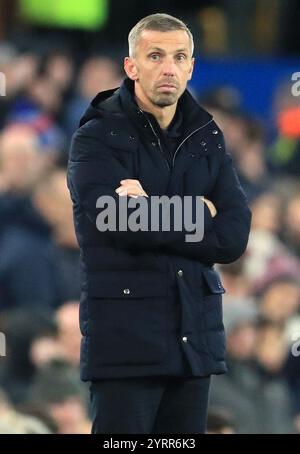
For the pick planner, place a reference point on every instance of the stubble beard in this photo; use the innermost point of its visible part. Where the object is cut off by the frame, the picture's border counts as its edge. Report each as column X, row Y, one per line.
column 164, row 99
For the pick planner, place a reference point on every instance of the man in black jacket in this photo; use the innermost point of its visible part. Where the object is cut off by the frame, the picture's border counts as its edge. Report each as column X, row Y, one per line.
column 151, row 305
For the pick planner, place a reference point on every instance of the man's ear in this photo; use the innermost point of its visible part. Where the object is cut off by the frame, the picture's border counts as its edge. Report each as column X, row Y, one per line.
column 130, row 68
column 191, row 69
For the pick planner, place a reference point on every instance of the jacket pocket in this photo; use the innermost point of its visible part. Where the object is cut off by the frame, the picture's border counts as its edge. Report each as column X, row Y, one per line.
column 212, row 291
column 212, row 281
column 213, row 313
column 128, row 317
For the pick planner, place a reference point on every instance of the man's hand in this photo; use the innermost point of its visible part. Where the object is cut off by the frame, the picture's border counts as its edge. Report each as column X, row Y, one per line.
column 211, row 206
column 131, row 188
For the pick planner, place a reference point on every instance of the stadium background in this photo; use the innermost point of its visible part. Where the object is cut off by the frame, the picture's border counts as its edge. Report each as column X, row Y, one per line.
column 56, row 55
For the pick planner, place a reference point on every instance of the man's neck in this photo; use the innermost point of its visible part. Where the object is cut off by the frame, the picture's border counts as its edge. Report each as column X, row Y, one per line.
column 164, row 115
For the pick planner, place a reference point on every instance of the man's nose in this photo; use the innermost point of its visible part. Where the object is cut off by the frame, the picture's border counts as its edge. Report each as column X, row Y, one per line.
column 169, row 68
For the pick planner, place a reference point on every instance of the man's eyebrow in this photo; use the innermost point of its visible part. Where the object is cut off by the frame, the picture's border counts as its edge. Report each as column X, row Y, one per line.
column 183, row 49
column 158, row 49
column 151, row 49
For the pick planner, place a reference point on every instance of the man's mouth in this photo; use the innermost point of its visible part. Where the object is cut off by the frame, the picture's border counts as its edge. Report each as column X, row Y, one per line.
column 167, row 87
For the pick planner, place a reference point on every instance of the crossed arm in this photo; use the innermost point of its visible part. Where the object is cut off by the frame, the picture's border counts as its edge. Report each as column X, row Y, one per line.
column 93, row 171
column 133, row 188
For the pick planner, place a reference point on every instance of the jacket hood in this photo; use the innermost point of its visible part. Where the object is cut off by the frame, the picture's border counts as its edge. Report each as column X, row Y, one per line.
column 103, row 101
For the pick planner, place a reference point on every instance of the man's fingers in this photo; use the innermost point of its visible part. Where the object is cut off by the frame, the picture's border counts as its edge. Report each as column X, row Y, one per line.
column 128, row 181
column 131, row 191
column 211, row 206
column 133, row 188
column 121, row 191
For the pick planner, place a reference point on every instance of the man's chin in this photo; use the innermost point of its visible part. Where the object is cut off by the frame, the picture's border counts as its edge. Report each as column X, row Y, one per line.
column 166, row 100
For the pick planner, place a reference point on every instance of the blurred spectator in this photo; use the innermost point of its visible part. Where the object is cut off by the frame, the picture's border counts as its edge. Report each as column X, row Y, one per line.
column 38, row 239
column 244, row 138
column 235, row 280
column 240, row 318
column 271, row 349
column 67, row 317
column 251, row 163
column 280, row 299
column 252, row 389
column 14, row 423
column 266, row 211
column 64, row 396
column 59, row 68
column 219, row 422
column 22, row 161
column 97, row 74
column 27, row 333
column 267, row 256
column 51, row 199
column 291, row 224
column 19, row 71
column 40, row 106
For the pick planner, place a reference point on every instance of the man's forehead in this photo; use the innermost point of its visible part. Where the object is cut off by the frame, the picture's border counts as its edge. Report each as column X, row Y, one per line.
column 177, row 39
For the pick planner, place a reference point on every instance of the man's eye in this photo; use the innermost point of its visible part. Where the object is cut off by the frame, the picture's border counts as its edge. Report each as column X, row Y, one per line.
column 154, row 57
column 181, row 57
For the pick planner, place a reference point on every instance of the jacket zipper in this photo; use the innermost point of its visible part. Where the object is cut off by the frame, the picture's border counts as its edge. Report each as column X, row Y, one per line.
column 158, row 140
column 179, row 146
column 191, row 134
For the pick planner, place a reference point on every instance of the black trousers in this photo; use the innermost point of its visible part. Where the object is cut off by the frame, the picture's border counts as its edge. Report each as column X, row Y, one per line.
column 152, row 405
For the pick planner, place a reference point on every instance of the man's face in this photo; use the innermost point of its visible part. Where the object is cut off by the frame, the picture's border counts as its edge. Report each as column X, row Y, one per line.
column 162, row 66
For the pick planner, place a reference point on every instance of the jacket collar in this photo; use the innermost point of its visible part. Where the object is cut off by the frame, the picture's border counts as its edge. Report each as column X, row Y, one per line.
column 120, row 100
column 194, row 116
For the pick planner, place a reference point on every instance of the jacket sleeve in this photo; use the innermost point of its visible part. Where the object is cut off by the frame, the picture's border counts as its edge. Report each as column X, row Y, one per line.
column 95, row 171
column 227, row 240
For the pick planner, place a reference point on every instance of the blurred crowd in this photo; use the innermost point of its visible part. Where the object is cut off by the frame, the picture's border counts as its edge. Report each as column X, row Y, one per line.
column 261, row 392
column 39, row 258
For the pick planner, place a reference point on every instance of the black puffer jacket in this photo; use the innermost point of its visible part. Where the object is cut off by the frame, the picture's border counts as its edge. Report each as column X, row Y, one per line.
column 151, row 302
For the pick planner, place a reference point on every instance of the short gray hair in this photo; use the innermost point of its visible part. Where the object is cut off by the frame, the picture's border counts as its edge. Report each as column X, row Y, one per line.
column 156, row 22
